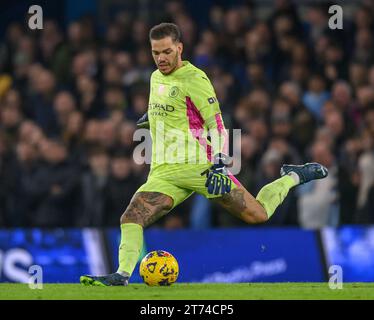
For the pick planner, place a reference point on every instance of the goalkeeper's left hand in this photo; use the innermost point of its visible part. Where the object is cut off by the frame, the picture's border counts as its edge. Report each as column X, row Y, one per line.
column 218, row 181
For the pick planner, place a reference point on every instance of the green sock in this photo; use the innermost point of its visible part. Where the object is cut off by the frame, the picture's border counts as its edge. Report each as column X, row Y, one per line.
column 273, row 194
column 130, row 247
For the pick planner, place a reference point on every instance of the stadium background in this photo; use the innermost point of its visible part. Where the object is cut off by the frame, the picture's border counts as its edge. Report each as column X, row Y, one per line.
column 69, row 98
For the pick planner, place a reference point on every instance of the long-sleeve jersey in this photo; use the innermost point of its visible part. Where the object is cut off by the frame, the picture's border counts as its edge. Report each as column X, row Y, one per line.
column 183, row 111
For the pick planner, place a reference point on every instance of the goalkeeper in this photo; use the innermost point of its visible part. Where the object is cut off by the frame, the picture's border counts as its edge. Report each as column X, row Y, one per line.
column 183, row 111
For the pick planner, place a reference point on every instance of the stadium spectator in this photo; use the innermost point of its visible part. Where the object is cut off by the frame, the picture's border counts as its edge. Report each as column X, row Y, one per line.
column 366, row 171
column 94, row 185
column 21, row 205
column 316, row 95
column 318, row 202
column 6, row 179
column 55, row 187
column 122, row 184
column 271, row 162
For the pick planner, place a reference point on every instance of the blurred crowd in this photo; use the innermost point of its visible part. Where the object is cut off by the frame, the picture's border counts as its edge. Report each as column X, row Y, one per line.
column 70, row 97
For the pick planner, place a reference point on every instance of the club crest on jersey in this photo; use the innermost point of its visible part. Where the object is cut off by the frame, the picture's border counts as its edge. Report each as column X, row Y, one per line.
column 212, row 100
column 173, row 92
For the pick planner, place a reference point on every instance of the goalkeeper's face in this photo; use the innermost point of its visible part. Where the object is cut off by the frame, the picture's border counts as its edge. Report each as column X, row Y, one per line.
column 167, row 54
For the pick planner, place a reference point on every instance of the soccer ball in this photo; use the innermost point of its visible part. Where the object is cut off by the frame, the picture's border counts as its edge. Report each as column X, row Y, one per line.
column 159, row 268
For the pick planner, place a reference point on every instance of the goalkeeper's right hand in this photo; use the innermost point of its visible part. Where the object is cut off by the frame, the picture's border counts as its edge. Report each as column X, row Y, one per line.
column 143, row 122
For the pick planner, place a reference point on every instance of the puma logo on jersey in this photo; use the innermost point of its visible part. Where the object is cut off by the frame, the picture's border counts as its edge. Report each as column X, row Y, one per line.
column 212, row 100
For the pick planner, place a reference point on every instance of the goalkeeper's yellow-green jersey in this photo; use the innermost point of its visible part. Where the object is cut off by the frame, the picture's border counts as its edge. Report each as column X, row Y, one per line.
column 182, row 108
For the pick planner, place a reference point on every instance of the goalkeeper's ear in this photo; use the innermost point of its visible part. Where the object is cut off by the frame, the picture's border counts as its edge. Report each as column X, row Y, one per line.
column 180, row 48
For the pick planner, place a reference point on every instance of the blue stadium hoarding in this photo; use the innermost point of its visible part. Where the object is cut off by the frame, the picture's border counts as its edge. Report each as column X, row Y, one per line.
column 63, row 254
column 218, row 255
column 351, row 248
column 236, row 255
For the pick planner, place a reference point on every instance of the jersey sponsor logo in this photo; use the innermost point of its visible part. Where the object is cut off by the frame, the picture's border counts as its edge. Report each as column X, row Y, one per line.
column 174, row 91
column 161, row 110
column 212, row 100
column 161, row 107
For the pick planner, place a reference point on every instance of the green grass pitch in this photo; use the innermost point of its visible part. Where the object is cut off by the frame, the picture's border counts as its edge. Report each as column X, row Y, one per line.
column 190, row 291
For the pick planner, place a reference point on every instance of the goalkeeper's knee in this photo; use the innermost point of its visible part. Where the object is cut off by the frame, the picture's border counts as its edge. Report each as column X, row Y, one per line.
column 256, row 214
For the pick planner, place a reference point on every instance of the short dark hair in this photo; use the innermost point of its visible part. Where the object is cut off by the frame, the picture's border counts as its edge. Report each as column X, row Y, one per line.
column 165, row 29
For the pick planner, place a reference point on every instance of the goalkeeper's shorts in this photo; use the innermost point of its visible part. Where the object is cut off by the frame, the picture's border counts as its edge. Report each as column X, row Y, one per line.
column 179, row 181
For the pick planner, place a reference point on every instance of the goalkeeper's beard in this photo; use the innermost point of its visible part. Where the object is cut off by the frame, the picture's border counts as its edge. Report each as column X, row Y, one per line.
column 173, row 65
